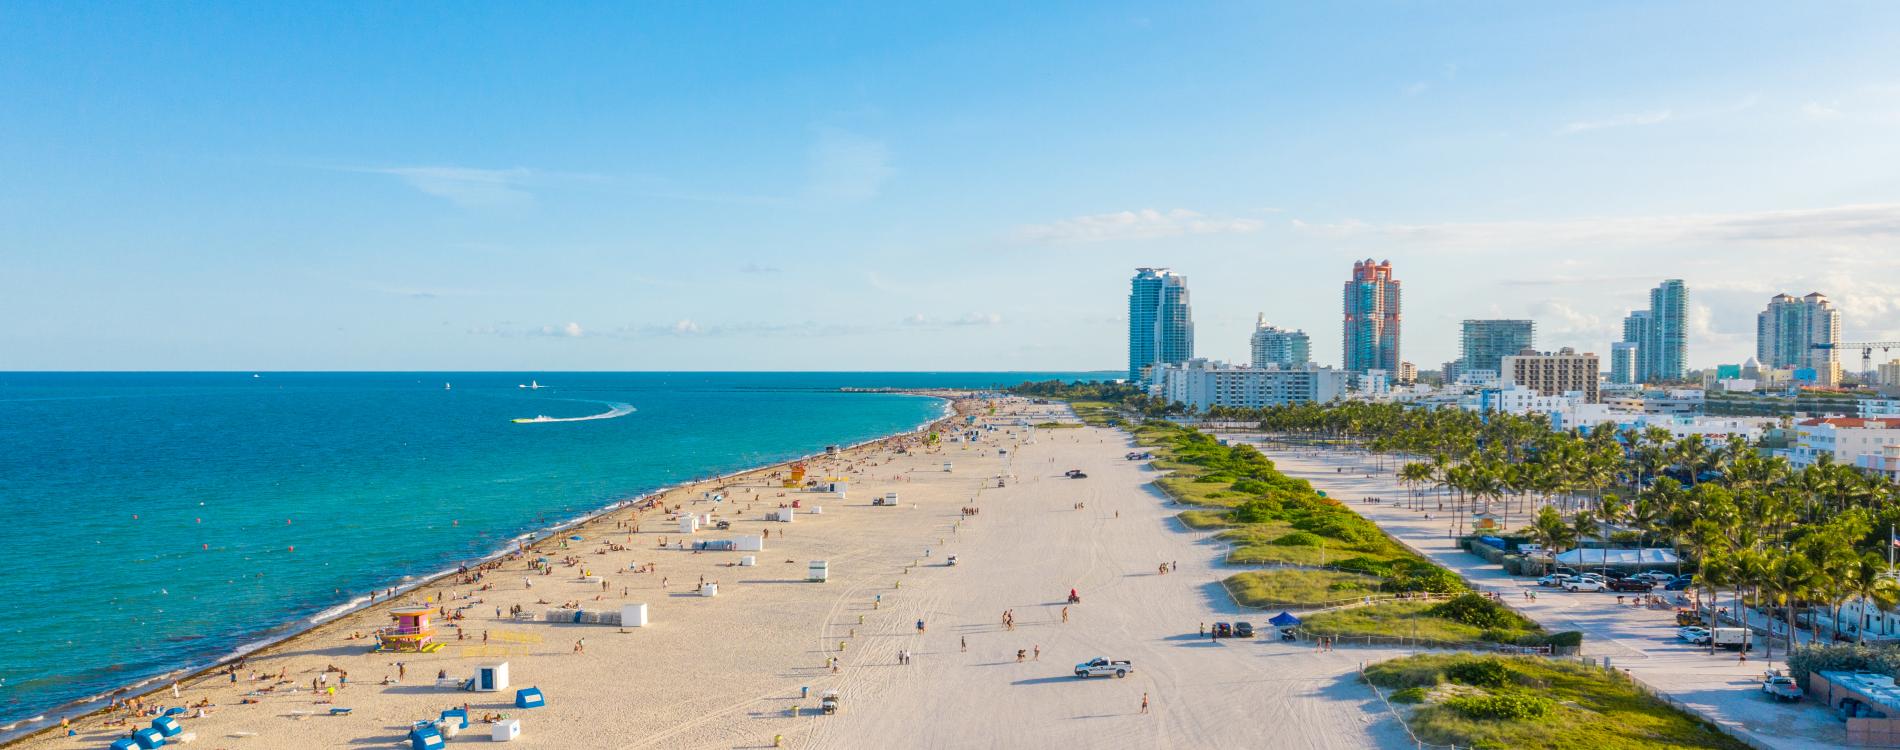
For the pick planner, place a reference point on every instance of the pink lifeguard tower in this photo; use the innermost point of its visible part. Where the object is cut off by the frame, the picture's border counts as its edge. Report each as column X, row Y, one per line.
column 412, row 632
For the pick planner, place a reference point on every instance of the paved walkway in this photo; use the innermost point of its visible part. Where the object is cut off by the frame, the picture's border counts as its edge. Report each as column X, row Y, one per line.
column 1640, row 640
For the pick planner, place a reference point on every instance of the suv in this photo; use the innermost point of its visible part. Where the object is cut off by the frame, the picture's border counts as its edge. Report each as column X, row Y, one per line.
column 1554, row 579
column 1243, row 629
column 1680, row 584
column 1694, row 634
column 1638, row 585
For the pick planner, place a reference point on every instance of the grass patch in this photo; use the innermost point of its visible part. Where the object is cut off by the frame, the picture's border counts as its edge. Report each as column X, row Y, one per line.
column 1293, row 587
column 1436, row 621
column 1205, row 519
column 1537, row 704
column 1058, row 426
column 1096, row 413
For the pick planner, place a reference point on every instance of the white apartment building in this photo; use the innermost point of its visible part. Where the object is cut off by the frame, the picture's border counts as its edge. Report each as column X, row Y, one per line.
column 1847, row 439
column 1201, row 384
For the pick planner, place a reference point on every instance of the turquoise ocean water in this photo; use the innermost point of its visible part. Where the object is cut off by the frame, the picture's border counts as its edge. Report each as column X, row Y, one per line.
column 158, row 521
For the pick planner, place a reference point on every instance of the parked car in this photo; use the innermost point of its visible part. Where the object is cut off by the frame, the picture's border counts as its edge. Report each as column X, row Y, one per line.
column 1564, row 570
column 1680, row 584
column 1223, row 630
column 1638, row 585
column 1656, row 576
column 1553, row 580
column 1583, row 584
column 1075, row 474
column 1243, row 629
column 1780, row 687
column 1103, row 667
column 1694, row 634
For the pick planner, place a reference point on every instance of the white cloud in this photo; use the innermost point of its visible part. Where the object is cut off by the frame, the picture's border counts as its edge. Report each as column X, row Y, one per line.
column 971, row 319
column 466, row 186
column 1819, row 111
column 1866, row 223
column 1637, row 118
column 847, row 168
column 1142, row 224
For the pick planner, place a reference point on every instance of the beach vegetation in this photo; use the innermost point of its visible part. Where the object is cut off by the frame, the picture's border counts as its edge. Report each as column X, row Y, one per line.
column 1497, row 702
column 1297, row 587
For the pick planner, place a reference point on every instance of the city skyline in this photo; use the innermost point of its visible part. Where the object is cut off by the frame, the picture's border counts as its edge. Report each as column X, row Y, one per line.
column 892, row 187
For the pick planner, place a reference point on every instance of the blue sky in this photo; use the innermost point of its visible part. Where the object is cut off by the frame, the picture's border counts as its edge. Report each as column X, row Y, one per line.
column 879, row 186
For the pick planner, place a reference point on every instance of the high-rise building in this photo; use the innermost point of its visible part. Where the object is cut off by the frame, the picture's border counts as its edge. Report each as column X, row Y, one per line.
column 1669, row 331
column 1624, row 363
column 1160, row 323
column 1279, row 347
column 1786, row 332
column 1661, row 334
column 1554, row 374
column 1486, row 343
column 1372, row 318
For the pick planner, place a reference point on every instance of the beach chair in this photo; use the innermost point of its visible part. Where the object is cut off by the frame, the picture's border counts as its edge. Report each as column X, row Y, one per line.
column 425, row 738
column 530, row 698
column 456, row 716
column 167, row 726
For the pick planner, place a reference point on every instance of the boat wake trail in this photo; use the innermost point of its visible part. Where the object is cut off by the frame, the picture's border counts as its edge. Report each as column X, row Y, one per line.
column 617, row 410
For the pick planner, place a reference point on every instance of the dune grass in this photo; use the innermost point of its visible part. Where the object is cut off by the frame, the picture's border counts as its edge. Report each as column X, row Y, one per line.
column 1409, row 619
column 1499, row 702
column 1296, row 587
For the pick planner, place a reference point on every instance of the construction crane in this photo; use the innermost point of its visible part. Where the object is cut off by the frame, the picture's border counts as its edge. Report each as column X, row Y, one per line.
column 1866, row 350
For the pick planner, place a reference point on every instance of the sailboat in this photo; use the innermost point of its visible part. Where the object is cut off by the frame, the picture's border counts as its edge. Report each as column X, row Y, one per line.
column 448, row 386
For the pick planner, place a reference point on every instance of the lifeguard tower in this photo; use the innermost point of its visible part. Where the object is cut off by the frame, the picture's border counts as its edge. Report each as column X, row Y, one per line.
column 412, row 632
column 797, row 479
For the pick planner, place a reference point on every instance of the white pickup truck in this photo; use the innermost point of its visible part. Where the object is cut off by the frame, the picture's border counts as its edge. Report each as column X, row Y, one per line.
column 1103, row 667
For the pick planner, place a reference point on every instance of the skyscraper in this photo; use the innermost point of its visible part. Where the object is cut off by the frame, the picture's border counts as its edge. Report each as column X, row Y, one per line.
column 1660, row 335
column 1372, row 318
column 1486, row 343
column 1279, row 347
column 1669, row 331
column 1624, row 363
column 1786, row 332
column 1160, row 324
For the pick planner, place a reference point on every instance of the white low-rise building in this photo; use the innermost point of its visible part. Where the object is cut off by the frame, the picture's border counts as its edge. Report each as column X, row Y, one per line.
column 1201, row 384
column 1846, row 439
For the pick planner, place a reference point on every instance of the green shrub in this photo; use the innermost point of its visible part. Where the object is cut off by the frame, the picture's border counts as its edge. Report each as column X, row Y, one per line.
column 1252, row 487
column 1256, row 511
column 1503, row 706
column 1479, row 673
column 1300, row 539
column 1410, row 695
column 1476, row 610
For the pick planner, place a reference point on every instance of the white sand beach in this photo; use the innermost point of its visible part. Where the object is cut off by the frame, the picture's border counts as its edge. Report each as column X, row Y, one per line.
column 730, row 670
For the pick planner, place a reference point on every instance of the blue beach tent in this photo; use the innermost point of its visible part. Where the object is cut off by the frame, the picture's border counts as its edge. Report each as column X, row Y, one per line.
column 148, row 739
column 530, row 698
column 456, row 715
column 168, row 726
column 425, row 738
column 1284, row 620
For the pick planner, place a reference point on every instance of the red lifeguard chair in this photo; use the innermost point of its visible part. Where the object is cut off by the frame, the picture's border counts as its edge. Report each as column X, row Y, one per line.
column 411, row 634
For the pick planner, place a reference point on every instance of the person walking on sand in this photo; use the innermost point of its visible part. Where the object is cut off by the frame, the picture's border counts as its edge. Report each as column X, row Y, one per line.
column 964, row 643
column 1144, row 702
column 1038, row 653
column 1065, row 614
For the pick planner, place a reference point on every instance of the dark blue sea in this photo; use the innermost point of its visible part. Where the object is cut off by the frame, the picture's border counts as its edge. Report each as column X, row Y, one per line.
column 155, row 521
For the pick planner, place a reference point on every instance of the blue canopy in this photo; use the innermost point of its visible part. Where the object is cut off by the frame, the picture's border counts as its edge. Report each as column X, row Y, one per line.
column 1284, row 620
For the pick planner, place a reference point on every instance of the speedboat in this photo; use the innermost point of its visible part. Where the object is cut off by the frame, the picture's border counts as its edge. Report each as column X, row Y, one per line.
column 532, row 385
column 542, row 418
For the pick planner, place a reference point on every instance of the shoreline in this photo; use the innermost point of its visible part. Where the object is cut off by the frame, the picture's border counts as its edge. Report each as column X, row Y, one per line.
column 293, row 631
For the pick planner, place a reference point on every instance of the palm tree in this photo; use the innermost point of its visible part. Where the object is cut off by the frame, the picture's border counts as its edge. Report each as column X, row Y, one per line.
column 1413, row 475
column 1874, row 587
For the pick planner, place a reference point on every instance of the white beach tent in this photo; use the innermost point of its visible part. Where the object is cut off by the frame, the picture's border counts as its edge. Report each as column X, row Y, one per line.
column 1626, row 557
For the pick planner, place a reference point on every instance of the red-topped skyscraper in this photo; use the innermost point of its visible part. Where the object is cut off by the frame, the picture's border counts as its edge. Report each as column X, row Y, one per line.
column 1372, row 318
